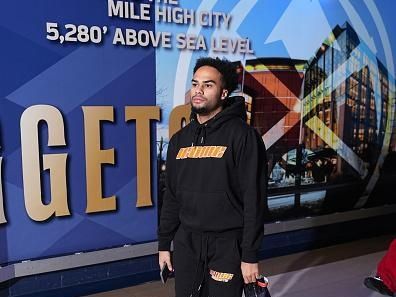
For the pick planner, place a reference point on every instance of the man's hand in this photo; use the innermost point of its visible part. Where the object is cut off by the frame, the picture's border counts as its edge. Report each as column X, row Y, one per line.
column 250, row 272
column 164, row 257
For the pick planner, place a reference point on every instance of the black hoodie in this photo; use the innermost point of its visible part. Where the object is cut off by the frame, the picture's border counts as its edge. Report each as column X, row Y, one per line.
column 217, row 180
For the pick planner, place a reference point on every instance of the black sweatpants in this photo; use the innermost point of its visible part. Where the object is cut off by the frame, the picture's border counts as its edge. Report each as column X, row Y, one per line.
column 207, row 264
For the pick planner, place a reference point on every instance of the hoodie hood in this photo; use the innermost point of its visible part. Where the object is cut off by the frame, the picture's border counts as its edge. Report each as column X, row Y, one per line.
column 233, row 107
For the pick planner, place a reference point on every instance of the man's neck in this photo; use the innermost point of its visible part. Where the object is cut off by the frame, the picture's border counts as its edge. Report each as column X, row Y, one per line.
column 203, row 118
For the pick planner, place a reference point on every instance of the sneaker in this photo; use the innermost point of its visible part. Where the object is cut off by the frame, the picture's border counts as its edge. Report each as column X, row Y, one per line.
column 376, row 284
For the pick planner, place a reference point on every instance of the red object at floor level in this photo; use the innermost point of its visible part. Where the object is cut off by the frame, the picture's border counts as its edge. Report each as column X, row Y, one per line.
column 386, row 269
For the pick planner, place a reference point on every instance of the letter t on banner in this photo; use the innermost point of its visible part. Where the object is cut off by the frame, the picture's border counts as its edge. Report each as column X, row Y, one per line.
column 143, row 115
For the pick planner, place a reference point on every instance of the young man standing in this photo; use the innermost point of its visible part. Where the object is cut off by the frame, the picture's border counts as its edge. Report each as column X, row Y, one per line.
column 216, row 190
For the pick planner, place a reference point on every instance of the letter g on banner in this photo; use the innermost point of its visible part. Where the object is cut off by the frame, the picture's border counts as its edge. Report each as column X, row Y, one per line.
column 56, row 163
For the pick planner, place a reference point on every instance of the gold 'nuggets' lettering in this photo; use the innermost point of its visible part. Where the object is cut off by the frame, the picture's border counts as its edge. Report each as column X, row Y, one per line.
column 198, row 152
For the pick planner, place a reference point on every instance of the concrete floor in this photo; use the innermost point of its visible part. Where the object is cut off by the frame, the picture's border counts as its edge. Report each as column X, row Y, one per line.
column 327, row 272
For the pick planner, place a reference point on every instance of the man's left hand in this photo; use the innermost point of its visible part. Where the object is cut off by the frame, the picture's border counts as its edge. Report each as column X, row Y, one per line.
column 250, row 272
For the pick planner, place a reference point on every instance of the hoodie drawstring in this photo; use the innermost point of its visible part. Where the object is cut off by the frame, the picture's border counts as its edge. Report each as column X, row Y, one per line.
column 201, row 269
column 203, row 137
column 199, row 135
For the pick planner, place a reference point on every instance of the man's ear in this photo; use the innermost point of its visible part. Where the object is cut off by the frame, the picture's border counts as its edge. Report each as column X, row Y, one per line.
column 224, row 94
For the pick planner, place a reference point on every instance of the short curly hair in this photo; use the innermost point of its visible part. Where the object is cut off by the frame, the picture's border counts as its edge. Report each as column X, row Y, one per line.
column 226, row 68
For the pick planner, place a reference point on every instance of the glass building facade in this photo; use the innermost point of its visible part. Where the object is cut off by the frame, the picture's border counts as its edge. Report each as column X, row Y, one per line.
column 272, row 88
column 346, row 103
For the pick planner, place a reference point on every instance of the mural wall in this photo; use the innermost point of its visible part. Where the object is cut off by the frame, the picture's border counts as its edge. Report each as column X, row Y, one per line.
column 90, row 92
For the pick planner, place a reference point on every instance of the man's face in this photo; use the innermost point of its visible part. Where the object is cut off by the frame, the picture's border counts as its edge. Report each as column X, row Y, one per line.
column 207, row 91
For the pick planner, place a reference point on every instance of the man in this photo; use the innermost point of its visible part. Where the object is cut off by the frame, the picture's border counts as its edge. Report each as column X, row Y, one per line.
column 216, row 190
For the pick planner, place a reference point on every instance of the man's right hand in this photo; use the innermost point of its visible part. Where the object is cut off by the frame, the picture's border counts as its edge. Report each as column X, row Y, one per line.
column 165, row 257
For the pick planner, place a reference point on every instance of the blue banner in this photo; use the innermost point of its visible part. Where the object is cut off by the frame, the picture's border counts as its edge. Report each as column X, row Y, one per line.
column 36, row 71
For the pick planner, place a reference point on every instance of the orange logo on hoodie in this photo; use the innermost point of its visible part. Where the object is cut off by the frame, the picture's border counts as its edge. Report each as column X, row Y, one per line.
column 197, row 152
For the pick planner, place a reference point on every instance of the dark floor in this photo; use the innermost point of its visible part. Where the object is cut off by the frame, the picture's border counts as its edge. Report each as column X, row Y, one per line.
column 337, row 270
